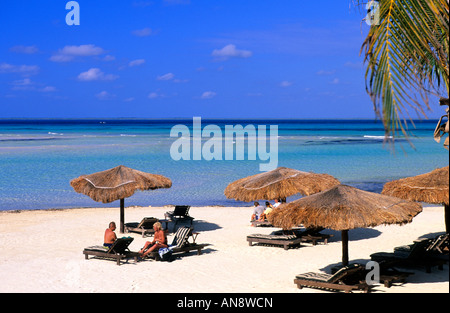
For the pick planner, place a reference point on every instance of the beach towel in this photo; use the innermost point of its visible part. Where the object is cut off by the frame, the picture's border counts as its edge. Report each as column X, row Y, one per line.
column 166, row 254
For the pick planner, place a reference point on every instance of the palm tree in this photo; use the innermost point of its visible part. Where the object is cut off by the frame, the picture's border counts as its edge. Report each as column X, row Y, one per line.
column 407, row 56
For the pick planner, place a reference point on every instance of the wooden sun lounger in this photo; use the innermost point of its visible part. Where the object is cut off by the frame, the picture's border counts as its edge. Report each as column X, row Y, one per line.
column 181, row 244
column 347, row 279
column 315, row 238
column 261, row 223
column 391, row 275
column 118, row 251
column 145, row 227
column 310, row 235
column 410, row 256
column 282, row 240
column 439, row 245
column 185, row 249
column 179, row 214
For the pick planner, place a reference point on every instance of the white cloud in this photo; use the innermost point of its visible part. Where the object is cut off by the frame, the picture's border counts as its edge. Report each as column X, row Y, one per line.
column 68, row 53
column 230, row 51
column 156, row 94
column 61, row 58
column 48, row 89
column 25, row 70
column 104, row 95
column 323, row 72
column 335, row 81
column 286, row 83
column 96, row 74
column 142, row 32
column 109, row 58
column 167, row 76
column 208, row 95
column 22, row 82
column 27, row 84
column 24, row 49
column 136, row 62
column 82, row 50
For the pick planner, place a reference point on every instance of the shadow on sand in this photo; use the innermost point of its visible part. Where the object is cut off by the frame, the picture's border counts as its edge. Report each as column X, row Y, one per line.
column 199, row 226
column 353, row 234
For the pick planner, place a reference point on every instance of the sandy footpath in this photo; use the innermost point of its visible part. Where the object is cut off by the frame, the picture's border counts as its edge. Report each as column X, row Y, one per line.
column 41, row 251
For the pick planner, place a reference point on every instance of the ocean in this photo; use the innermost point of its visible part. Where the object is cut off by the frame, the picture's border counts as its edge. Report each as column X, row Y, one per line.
column 38, row 158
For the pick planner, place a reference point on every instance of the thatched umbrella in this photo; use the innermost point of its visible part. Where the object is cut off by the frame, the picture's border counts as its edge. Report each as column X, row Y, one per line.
column 342, row 208
column 432, row 187
column 118, row 183
column 279, row 183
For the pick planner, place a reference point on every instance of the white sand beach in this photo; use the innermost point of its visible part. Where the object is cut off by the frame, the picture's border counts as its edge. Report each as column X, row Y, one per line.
column 41, row 251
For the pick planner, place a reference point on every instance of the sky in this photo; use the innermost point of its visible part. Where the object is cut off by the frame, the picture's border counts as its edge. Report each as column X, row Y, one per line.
column 184, row 58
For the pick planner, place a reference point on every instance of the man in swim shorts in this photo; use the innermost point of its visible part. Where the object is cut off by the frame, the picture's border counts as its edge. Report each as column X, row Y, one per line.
column 110, row 235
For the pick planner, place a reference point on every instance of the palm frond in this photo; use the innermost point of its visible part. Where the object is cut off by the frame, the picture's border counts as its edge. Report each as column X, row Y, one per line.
column 406, row 54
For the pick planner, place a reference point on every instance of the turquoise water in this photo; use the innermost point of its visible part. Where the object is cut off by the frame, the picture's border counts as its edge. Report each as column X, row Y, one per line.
column 38, row 158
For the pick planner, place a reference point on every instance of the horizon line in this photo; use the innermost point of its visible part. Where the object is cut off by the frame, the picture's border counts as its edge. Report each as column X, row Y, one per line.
column 208, row 118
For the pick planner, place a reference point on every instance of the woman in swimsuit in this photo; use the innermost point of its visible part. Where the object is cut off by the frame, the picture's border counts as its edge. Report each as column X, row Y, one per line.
column 159, row 241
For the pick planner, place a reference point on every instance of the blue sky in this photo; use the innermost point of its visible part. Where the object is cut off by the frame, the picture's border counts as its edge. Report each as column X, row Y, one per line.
column 184, row 58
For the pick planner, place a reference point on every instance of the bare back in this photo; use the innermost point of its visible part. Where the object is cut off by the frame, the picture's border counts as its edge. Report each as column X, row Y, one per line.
column 110, row 236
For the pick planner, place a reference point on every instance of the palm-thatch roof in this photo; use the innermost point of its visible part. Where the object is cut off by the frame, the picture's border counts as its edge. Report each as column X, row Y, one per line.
column 279, row 183
column 344, row 207
column 432, row 187
column 117, row 183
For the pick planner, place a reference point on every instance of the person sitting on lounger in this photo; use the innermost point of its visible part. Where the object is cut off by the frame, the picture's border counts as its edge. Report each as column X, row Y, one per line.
column 257, row 212
column 277, row 203
column 159, row 240
column 267, row 211
column 110, row 235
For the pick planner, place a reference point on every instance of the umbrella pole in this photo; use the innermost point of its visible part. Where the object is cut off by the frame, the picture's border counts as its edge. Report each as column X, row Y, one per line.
column 344, row 238
column 446, row 208
column 122, row 215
